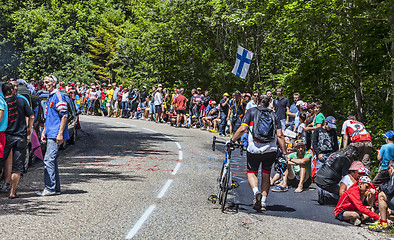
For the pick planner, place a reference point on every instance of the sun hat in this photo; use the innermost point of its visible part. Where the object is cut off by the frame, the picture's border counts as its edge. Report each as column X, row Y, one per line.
column 356, row 165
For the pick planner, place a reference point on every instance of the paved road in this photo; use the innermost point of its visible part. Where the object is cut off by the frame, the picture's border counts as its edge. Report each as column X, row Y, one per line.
column 132, row 178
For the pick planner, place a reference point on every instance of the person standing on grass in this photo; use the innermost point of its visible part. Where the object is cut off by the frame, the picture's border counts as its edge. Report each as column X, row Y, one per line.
column 54, row 133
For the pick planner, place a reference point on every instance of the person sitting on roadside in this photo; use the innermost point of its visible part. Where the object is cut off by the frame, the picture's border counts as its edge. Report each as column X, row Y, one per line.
column 325, row 141
column 350, row 205
column 330, row 174
column 212, row 114
column 356, row 170
column 298, row 173
column 277, row 178
column 385, row 155
column 386, row 201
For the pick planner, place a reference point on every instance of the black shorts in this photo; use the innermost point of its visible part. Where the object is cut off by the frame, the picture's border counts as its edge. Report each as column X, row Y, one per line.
column 18, row 146
column 295, row 181
column 340, row 215
column 254, row 161
column 181, row 112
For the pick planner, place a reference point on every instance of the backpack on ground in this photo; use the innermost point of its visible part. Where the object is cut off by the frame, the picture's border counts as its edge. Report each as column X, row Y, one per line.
column 264, row 125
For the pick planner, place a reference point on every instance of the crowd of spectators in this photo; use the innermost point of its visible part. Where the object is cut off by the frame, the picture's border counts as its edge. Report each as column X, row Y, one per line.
column 338, row 165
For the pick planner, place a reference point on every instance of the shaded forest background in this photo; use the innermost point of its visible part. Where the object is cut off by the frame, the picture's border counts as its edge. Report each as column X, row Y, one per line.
column 336, row 52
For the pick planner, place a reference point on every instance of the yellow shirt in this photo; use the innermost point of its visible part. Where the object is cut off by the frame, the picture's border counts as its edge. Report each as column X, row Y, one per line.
column 110, row 94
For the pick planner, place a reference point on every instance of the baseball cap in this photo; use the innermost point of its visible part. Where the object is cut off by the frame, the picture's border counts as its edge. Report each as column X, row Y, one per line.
column 389, row 134
column 226, row 94
column 199, row 89
column 213, row 102
column 159, row 85
column 363, row 170
column 331, row 122
column 356, row 165
column 144, row 87
column 365, row 179
column 238, row 93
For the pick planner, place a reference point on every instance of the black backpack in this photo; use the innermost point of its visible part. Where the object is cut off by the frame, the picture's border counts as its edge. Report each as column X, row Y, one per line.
column 264, row 125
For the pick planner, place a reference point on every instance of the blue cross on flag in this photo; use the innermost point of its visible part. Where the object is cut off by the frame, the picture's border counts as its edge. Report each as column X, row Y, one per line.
column 242, row 62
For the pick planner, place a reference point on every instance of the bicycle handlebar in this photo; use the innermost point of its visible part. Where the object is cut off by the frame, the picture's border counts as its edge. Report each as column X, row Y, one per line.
column 214, row 141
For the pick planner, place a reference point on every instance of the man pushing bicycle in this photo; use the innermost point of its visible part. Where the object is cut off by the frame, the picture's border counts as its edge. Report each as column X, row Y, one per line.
column 265, row 135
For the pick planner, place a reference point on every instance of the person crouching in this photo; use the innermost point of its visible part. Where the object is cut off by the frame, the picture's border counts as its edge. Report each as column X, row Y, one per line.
column 350, row 205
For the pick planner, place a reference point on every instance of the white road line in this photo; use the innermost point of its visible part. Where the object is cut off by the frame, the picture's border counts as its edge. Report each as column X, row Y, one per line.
column 169, row 137
column 150, row 130
column 126, row 124
column 178, row 165
column 180, row 155
column 178, row 145
column 141, row 221
column 164, row 189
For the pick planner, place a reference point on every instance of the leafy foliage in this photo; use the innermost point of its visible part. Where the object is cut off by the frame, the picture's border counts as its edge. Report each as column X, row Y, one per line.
column 336, row 52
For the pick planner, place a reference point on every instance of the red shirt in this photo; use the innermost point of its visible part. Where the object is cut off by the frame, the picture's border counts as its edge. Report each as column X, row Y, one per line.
column 356, row 131
column 180, row 102
column 350, row 201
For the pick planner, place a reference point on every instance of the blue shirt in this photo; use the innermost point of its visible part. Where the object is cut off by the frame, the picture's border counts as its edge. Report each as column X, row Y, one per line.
column 293, row 109
column 4, row 120
column 56, row 108
column 387, row 152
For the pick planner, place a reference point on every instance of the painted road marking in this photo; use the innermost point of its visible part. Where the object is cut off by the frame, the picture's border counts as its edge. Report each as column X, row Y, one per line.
column 178, row 165
column 126, row 124
column 180, row 155
column 178, row 145
column 140, row 222
column 164, row 189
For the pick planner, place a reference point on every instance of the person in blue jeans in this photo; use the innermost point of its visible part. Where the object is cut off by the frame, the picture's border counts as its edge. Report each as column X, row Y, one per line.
column 224, row 108
column 54, row 133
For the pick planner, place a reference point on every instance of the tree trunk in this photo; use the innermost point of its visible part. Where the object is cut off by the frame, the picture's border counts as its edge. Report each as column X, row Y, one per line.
column 392, row 64
column 357, row 80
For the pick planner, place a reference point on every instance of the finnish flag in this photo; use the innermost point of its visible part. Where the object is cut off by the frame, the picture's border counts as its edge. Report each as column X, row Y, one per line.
column 242, row 62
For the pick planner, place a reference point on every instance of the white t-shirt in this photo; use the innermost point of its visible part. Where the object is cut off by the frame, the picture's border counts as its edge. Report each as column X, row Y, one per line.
column 125, row 96
column 158, row 98
column 347, row 181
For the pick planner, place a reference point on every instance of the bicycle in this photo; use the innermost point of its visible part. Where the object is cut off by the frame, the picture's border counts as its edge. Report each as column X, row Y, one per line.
column 225, row 180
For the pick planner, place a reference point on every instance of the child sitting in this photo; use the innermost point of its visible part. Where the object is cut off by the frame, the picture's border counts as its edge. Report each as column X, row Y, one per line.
column 350, row 205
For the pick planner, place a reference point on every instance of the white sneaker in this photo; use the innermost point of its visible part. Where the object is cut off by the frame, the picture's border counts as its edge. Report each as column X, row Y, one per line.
column 46, row 192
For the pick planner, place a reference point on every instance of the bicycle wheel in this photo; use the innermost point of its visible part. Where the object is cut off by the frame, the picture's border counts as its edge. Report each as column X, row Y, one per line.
column 225, row 188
